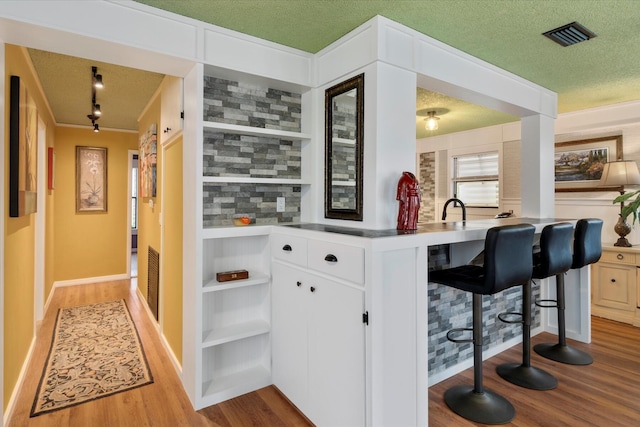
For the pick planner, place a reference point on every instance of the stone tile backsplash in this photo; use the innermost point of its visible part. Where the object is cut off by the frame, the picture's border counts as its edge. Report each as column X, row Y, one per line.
column 246, row 104
column 450, row 308
column 237, row 155
column 224, row 201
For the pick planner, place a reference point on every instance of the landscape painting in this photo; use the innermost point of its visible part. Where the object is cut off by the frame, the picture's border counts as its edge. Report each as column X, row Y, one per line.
column 579, row 164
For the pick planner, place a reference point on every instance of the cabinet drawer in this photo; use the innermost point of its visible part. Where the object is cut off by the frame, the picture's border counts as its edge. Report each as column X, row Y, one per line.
column 618, row 257
column 289, row 248
column 342, row 261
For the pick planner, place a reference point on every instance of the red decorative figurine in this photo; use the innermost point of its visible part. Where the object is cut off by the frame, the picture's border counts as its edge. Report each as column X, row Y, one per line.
column 410, row 196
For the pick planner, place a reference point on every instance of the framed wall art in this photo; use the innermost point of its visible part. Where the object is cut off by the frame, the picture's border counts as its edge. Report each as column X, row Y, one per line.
column 91, row 179
column 148, row 162
column 579, row 164
column 23, row 154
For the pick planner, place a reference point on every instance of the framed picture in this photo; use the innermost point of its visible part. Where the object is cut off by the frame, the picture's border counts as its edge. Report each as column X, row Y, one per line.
column 148, row 161
column 91, row 179
column 51, row 168
column 579, row 164
column 23, row 154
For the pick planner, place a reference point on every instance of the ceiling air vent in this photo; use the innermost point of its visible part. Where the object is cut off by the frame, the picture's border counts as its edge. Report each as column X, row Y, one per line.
column 570, row 34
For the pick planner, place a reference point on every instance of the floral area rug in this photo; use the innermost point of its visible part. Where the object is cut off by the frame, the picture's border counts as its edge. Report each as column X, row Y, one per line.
column 95, row 352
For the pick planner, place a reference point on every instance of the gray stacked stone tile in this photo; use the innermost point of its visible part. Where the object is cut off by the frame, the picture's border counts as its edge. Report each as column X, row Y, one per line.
column 223, row 202
column 450, row 308
column 246, row 104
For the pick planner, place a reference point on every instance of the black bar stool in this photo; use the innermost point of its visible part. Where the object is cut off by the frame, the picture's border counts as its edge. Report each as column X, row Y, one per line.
column 507, row 263
column 587, row 249
column 554, row 259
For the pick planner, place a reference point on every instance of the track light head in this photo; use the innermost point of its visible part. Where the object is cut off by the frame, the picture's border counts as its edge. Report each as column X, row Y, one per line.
column 96, row 110
column 98, row 81
column 96, row 128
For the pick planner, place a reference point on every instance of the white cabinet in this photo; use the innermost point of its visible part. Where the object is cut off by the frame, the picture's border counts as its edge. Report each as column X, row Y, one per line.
column 318, row 336
column 170, row 108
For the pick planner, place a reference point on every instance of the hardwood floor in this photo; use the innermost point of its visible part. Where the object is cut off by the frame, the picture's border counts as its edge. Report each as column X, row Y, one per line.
column 163, row 403
column 606, row 393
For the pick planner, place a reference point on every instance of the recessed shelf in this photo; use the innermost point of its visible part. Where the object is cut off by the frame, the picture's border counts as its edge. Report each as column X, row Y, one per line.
column 248, row 130
column 253, row 280
column 233, row 384
column 233, row 231
column 234, row 332
column 250, row 180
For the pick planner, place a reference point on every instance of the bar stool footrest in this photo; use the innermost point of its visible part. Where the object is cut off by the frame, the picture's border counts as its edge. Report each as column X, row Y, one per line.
column 484, row 408
column 504, row 317
column 546, row 303
column 457, row 331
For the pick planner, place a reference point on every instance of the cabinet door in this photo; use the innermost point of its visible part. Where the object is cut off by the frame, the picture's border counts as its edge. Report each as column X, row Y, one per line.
column 336, row 354
column 289, row 333
column 171, row 107
column 615, row 286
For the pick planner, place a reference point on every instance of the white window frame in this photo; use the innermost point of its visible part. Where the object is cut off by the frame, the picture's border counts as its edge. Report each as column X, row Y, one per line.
column 480, row 178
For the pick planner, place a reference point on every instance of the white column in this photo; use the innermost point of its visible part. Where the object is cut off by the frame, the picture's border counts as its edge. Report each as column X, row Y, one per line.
column 538, row 188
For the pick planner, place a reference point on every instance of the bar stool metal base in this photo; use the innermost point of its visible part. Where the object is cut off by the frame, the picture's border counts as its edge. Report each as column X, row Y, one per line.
column 484, row 408
column 563, row 354
column 527, row 376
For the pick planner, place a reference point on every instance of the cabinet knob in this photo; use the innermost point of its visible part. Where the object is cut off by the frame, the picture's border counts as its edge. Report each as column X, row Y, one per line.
column 620, row 257
column 167, row 130
column 287, row 248
column 298, row 283
column 312, row 289
column 613, row 280
column 331, row 258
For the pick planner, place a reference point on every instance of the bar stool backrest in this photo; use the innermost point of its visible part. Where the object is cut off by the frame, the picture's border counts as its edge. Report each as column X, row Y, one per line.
column 555, row 255
column 508, row 258
column 587, row 242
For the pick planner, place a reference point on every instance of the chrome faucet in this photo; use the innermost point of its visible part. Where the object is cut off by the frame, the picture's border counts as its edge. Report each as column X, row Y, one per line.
column 464, row 210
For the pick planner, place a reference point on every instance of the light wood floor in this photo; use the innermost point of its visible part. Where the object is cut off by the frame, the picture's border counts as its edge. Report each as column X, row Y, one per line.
column 163, row 403
column 606, row 393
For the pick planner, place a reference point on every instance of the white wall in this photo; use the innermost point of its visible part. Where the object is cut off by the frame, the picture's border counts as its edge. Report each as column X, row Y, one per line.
column 619, row 119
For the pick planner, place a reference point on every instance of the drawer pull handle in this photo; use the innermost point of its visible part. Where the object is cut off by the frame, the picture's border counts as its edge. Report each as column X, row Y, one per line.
column 298, row 283
column 613, row 280
column 620, row 257
column 331, row 258
column 287, row 248
column 312, row 289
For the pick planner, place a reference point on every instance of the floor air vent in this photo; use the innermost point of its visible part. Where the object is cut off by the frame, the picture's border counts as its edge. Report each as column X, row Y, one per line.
column 153, row 280
column 570, row 34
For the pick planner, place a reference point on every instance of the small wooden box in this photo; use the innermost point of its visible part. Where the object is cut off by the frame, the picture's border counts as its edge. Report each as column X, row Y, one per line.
column 225, row 276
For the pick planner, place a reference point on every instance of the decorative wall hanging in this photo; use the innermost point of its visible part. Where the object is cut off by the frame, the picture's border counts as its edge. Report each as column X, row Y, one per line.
column 23, row 146
column 51, row 168
column 148, row 161
column 91, row 179
column 579, row 164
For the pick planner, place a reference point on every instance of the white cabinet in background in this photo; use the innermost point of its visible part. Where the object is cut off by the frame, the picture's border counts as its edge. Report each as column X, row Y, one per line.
column 318, row 341
column 170, row 108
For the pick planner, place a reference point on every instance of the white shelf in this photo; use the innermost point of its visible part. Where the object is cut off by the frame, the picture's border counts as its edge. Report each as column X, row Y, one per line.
column 234, row 332
column 235, row 384
column 344, row 183
column 250, row 180
column 253, row 131
column 233, row 231
column 253, row 280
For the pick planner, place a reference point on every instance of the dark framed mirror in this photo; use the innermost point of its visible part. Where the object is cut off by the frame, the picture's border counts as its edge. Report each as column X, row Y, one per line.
column 344, row 129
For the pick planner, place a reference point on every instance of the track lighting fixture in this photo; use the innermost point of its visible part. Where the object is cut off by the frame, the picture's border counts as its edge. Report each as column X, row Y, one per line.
column 96, row 83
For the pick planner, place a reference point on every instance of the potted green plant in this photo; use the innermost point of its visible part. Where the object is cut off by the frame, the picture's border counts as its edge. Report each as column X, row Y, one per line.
column 622, row 227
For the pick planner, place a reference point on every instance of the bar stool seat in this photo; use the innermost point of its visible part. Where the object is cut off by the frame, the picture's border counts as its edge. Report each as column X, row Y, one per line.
column 553, row 259
column 507, row 263
column 587, row 249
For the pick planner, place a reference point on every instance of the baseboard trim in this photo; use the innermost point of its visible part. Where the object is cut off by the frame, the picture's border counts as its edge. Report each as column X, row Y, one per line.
column 91, row 280
column 163, row 339
column 16, row 390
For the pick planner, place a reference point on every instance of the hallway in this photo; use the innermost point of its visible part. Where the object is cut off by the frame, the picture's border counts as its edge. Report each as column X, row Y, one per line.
column 163, row 403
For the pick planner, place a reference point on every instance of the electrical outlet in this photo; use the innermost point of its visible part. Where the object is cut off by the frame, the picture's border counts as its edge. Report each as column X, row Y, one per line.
column 280, row 204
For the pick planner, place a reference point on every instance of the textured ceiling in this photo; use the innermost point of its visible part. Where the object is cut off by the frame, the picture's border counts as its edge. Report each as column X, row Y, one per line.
column 506, row 33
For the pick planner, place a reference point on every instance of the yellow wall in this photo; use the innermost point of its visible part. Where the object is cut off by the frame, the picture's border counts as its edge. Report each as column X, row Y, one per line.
column 172, row 265
column 91, row 244
column 19, row 249
column 149, row 217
